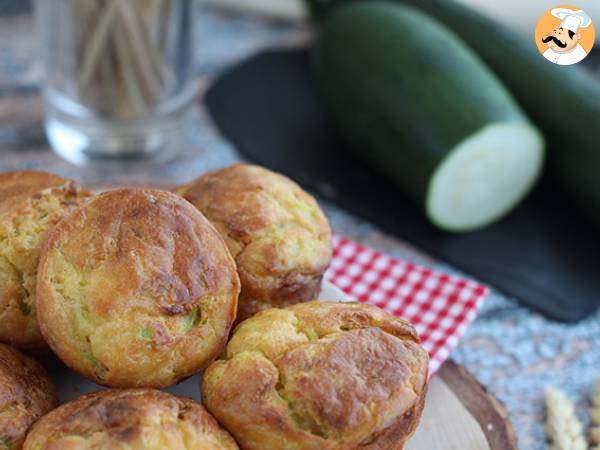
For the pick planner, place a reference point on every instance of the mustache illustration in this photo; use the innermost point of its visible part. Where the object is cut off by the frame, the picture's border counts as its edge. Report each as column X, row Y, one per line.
column 556, row 41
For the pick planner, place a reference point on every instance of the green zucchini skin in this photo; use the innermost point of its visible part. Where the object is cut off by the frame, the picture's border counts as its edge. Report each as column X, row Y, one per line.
column 563, row 101
column 404, row 90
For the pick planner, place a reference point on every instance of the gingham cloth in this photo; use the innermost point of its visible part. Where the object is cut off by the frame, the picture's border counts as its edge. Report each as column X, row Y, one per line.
column 440, row 306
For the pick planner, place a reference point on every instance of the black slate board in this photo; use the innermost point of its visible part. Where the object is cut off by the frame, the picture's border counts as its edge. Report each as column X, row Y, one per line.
column 544, row 254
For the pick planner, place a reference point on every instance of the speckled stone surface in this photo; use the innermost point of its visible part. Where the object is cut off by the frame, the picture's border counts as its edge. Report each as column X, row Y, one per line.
column 514, row 352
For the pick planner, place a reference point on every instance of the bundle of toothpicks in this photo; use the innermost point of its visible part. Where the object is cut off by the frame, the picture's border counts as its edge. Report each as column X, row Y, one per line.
column 121, row 67
column 563, row 427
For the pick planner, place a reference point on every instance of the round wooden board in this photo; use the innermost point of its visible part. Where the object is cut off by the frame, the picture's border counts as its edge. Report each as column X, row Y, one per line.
column 488, row 412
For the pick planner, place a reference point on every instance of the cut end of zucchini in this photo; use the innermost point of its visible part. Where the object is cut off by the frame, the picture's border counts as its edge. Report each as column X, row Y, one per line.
column 485, row 176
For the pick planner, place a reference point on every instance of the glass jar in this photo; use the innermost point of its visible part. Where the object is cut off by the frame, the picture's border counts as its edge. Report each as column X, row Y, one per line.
column 119, row 78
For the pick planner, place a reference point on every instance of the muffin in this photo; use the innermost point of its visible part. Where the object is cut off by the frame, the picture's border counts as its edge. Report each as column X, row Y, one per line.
column 26, row 394
column 136, row 289
column 278, row 235
column 31, row 203
column 322, row 376
column 133, row 419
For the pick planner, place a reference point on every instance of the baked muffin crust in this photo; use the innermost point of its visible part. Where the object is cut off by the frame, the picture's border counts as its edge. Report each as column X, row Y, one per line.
column 320, row 375
column 276, row 232
column 136, row 289
column 26, row 394
column 31, row 203
column 133, row 419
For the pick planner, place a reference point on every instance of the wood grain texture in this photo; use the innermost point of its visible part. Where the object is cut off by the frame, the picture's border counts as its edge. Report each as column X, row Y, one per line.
column 460, row 414
column 446, row 424
column 486, row 409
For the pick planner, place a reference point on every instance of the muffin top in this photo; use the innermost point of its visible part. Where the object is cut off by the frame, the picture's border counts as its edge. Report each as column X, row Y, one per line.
column 31, row 203
column 136, row 289
column 135, row 419
column 276, row 232
column 26, row 394
column 321, row 375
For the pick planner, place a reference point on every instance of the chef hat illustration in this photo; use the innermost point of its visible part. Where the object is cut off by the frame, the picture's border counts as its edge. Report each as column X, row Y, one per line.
column 572, row 20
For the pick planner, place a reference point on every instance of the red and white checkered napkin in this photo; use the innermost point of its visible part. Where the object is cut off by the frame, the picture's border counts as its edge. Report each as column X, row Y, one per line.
column 440, row 306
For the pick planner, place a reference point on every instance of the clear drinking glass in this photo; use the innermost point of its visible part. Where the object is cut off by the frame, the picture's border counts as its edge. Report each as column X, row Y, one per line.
column 118, row 76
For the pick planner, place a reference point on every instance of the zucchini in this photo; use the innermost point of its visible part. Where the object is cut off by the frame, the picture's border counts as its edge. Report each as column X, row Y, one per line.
column 413, row 100
column 564, row 102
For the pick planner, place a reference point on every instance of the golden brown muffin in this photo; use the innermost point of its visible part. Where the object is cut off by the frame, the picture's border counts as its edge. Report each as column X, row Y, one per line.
column 136, row 289
column 320, row 376
column 31, row 203
column 26, row 394
column 132, row 419
column 278, row 235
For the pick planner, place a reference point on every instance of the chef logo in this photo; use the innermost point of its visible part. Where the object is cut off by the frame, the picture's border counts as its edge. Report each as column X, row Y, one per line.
column 565, row 35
